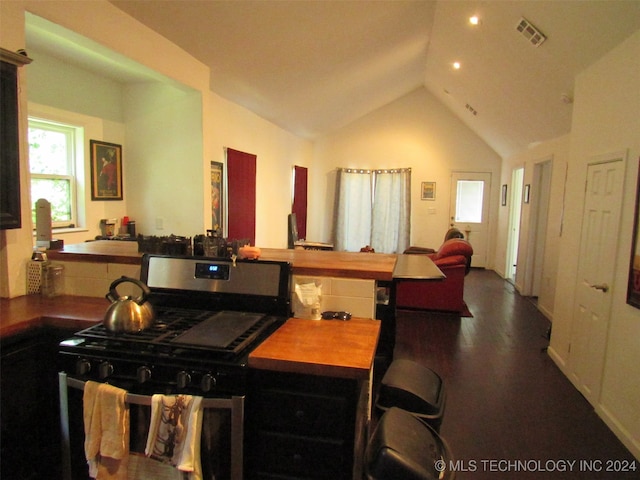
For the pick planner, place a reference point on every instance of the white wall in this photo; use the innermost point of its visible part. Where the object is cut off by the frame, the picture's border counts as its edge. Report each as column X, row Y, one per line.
column 164, row 155
column 605, row 120
column 415, row 131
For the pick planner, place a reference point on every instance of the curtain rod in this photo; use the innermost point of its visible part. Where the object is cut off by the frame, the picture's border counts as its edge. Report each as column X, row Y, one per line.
column 382, row 170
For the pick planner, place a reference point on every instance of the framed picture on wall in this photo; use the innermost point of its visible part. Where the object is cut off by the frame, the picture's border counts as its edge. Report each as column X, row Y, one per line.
column 106, row 170
column 428, row 191
column 633, row 288
column 216, row 195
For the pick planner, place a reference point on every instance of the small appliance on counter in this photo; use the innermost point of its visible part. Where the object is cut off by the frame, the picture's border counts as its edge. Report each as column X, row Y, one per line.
column 108, row 227
column 44, row 229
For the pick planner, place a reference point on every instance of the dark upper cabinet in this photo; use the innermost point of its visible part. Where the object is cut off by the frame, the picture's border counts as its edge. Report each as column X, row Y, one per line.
column 9, row 140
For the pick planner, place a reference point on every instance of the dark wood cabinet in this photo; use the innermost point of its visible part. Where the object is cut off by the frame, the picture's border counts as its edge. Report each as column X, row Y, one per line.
column 300, row 426
column 10, row 216
column 29, row 407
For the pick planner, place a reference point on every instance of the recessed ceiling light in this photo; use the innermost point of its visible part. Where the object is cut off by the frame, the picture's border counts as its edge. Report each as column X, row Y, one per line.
column 456, row 65
column 474, row 20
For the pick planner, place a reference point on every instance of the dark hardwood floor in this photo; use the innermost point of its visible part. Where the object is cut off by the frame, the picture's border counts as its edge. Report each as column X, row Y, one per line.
column 510, row 412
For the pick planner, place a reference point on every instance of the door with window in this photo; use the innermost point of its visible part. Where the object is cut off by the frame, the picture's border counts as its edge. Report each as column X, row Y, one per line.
column 469, row 211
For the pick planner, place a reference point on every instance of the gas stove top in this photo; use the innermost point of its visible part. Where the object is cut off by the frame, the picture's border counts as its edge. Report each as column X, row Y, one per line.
column 181, row 334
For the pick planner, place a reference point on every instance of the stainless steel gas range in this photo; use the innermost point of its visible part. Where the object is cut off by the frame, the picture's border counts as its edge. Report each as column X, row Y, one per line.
column 210, row 314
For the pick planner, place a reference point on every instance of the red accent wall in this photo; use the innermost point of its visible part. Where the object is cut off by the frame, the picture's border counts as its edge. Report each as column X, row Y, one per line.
column 241, row 181
column 299, row 206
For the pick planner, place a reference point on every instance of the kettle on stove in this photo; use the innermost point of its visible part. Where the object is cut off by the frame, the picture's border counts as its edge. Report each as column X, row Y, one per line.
column 128, row 314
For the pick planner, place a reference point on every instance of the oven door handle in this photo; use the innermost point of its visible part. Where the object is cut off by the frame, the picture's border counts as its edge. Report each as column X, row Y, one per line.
column 235, row 404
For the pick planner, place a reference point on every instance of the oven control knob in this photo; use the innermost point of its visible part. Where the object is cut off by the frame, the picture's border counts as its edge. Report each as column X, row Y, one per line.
column 183, row 379
column 83, row 366
column 105, row 369
column 208, row 382
column 143, row 374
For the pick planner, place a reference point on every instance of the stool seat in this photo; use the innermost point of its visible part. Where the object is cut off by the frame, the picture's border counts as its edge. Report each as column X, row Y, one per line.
column 414, row 388
column 404, row 447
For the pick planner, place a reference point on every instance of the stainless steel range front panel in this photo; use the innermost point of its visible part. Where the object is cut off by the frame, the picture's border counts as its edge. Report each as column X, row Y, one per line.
column 212, row 275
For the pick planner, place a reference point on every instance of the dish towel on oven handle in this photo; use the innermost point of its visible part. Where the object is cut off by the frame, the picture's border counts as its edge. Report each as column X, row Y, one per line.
column 174, row 432
column 106, row 426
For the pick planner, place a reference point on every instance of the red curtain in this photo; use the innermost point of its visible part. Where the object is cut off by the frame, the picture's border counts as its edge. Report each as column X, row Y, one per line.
column 241, row 181
column 299, row 206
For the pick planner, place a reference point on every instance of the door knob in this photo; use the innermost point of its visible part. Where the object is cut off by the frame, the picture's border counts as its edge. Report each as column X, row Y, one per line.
column 603, row 287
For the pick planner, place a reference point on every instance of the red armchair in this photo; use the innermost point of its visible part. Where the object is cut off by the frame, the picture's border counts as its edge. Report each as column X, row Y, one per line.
column 454, row 259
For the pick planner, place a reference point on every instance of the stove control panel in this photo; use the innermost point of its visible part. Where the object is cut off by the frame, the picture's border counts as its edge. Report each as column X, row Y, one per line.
column 179, row 380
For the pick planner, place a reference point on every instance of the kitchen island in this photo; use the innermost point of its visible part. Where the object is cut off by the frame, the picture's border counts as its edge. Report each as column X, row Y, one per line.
column 311, row 408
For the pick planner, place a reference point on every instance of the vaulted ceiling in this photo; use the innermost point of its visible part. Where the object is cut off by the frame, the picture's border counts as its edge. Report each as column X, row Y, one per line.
column 312, row 66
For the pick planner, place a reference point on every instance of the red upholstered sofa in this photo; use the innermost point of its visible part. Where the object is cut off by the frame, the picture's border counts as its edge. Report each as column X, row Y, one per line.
column 454, row 259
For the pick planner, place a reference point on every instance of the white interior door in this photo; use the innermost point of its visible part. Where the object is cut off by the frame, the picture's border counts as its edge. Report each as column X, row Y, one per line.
column 469, row 207
column 600, row 226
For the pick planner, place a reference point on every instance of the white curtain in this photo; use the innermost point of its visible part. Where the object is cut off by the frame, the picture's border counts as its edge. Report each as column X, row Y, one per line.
column 391, row 221
column 383, row 223
column 352, row 216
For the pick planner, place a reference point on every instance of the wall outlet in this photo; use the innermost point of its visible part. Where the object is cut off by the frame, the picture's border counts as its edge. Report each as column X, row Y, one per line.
column 159, row 223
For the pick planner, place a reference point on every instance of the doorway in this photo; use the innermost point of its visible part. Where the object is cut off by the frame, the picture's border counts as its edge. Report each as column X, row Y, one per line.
column 469, row 211
column 515, row 213
column 540, row 195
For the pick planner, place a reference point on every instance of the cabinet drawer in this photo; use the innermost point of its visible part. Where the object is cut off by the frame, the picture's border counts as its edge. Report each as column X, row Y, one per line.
column 300, row 456
column 302, row 414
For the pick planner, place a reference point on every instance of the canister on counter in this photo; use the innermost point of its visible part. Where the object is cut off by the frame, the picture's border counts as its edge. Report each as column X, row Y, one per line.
column 52, row 280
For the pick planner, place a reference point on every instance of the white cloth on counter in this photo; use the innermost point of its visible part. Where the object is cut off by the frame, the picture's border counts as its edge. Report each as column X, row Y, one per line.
column 106, row 427
column 174, row 432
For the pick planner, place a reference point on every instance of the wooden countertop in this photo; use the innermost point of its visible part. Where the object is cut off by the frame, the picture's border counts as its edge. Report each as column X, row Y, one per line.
column 99, row 251
column 18, row 315
column 331, row 348
column 376, row 266
column 335, row 348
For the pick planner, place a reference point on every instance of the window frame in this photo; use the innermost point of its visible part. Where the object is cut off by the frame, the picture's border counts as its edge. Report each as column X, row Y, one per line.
column 74, row 135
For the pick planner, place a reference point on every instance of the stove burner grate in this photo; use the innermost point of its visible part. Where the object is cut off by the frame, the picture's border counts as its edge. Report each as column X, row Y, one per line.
column 170, row 332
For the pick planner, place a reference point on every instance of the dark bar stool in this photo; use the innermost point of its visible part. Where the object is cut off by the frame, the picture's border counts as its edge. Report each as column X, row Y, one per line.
column 403, row 446
column 414, row 388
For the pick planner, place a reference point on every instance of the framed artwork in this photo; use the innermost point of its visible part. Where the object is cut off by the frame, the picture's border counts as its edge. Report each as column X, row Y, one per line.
column 633, row 288
column 527, row 192
column 428, row 191
column 216, row 195
column 106, row 171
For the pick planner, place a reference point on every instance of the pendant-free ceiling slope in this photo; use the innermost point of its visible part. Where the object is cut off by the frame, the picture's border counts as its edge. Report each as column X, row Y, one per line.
column 313, row 66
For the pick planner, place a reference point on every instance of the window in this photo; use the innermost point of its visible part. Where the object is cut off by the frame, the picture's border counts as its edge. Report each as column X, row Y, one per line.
column 52, row 160
column 469, row 201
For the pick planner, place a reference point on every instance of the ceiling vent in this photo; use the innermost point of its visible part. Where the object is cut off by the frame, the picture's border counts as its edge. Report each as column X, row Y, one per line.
column 530, row 32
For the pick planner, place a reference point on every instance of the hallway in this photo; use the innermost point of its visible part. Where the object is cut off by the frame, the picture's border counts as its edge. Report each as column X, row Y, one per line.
column 510, row 412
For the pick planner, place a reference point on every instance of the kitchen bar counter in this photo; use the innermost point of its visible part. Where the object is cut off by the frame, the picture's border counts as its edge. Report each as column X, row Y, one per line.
column 328, row 348
column 99, row 251
column 375, row 266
